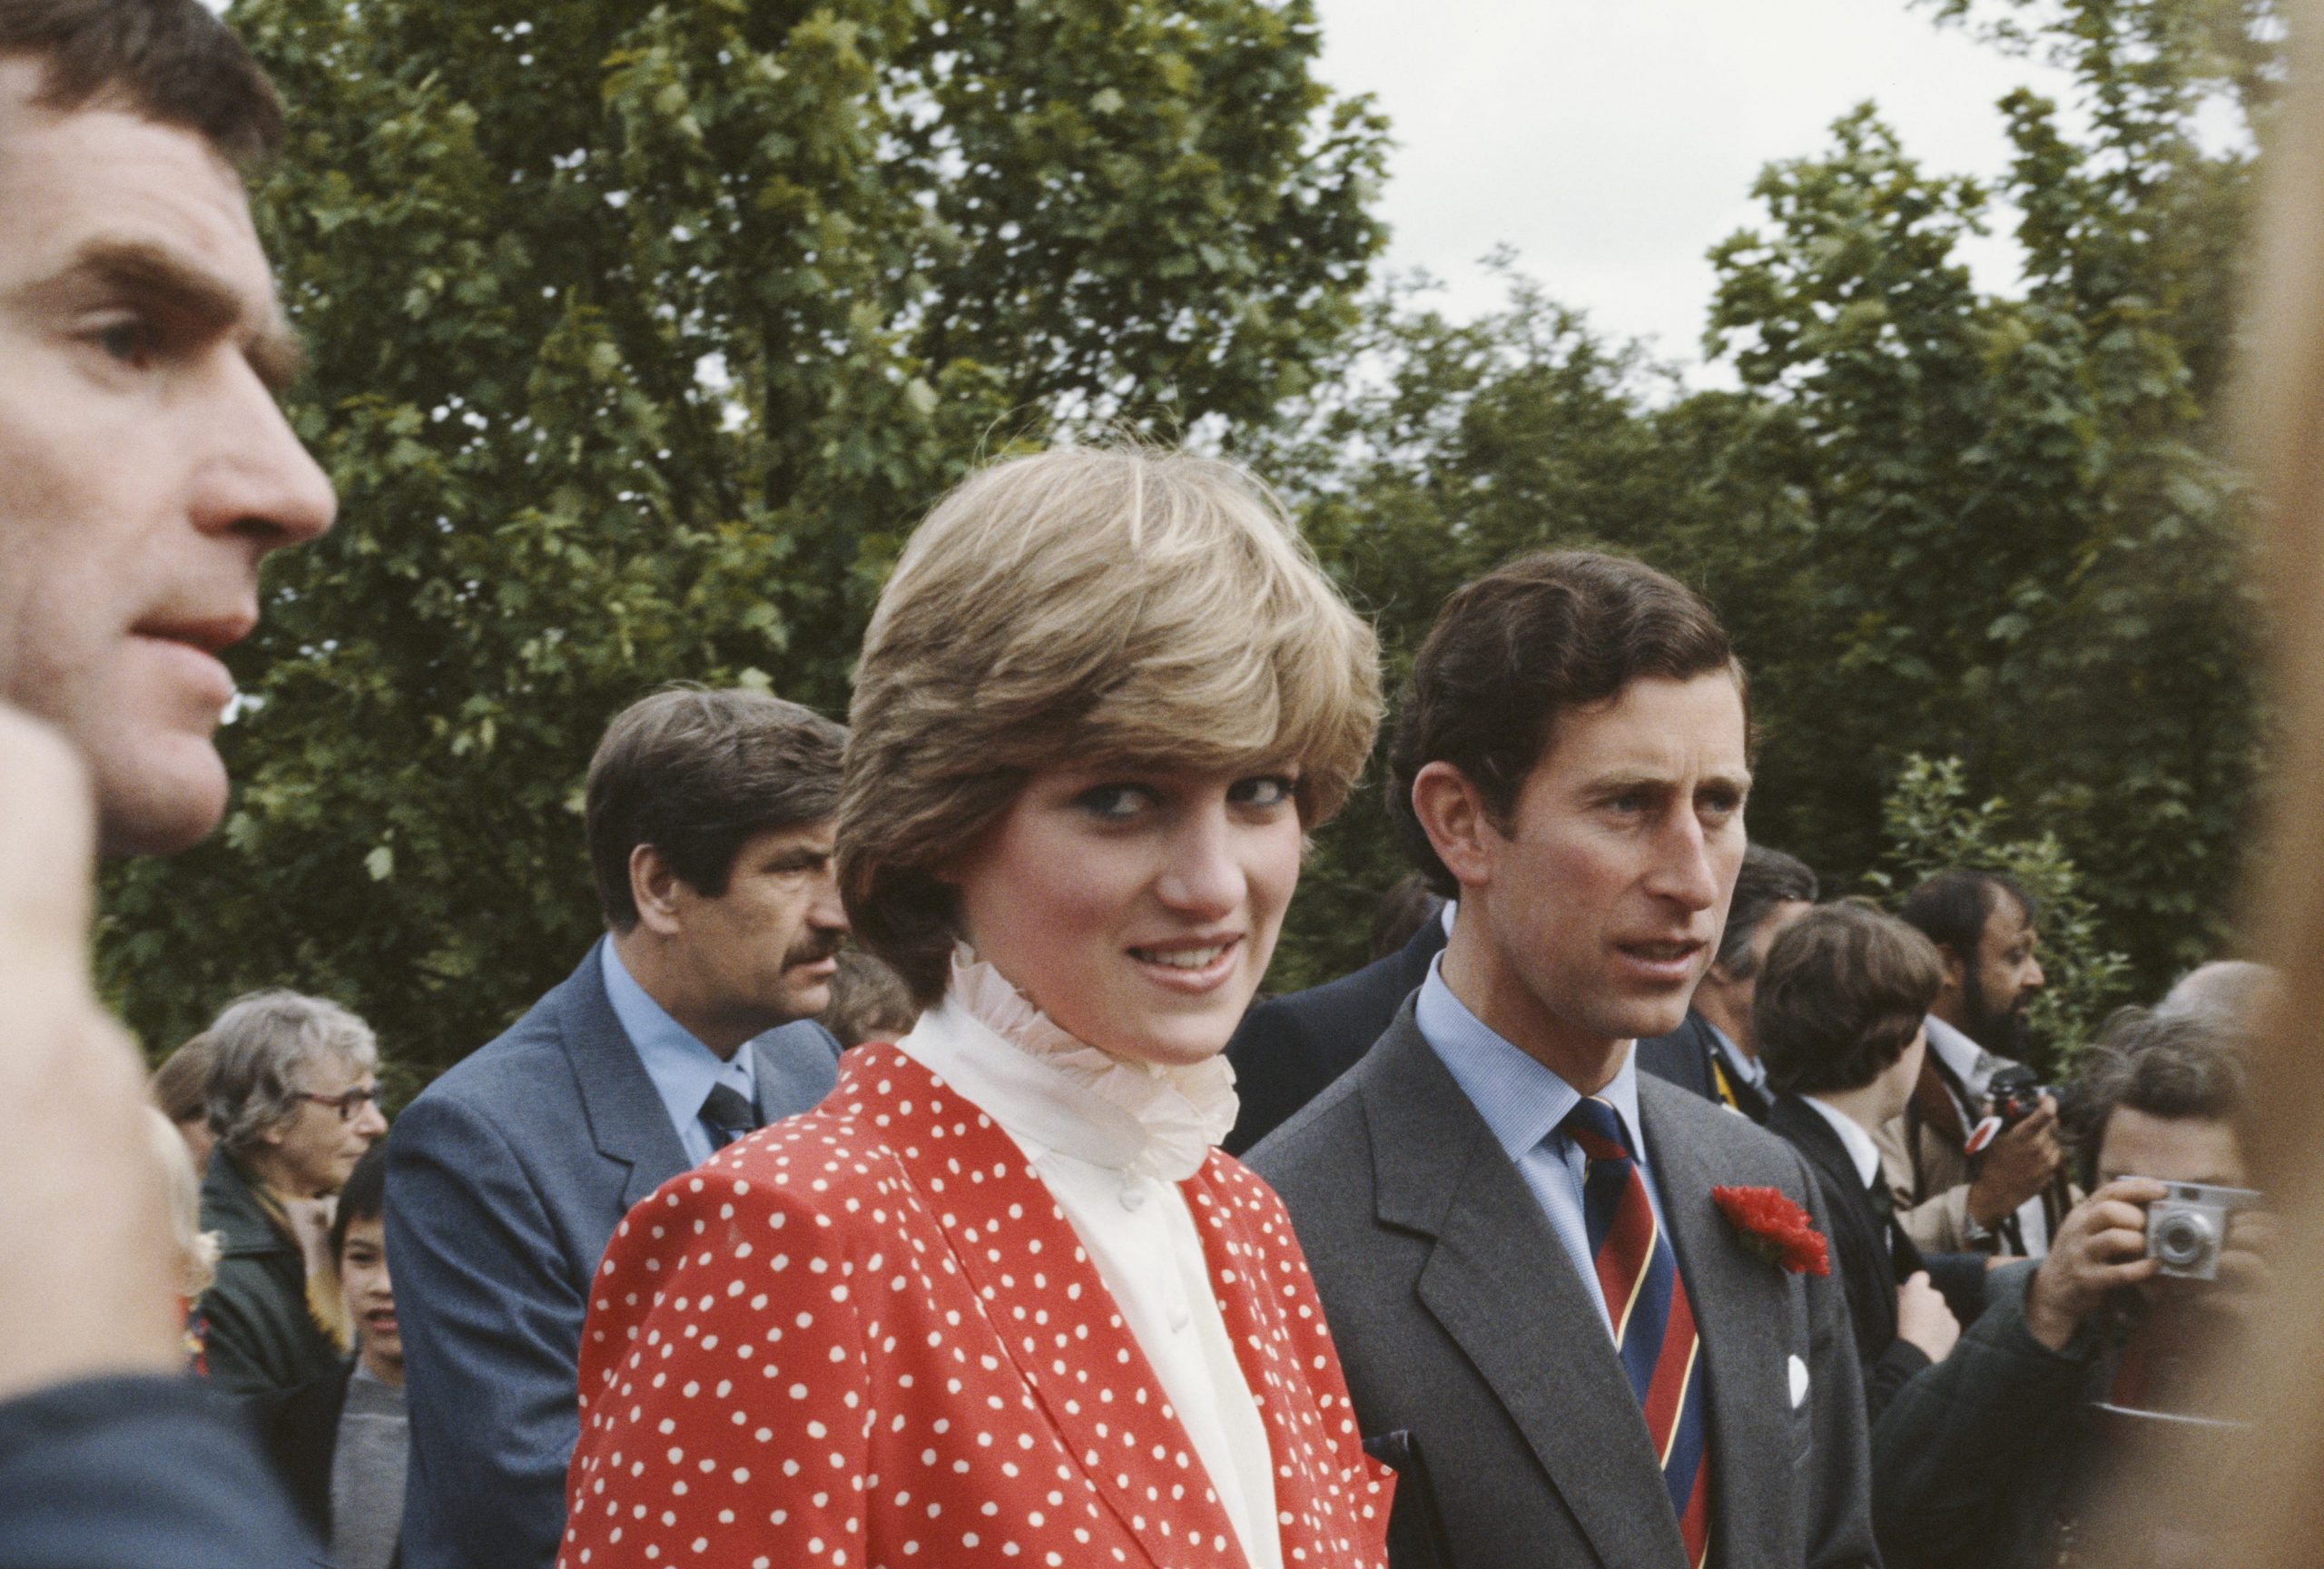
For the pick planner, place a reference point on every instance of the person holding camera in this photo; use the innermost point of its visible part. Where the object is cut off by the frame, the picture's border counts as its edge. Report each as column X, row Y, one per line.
column 1991, row 1458
column 1974, row 1161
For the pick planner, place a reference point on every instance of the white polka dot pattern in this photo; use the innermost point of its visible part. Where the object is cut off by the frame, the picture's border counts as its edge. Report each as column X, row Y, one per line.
column 868, row 1338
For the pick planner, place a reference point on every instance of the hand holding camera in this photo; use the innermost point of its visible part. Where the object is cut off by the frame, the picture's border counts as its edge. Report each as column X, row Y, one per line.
column 2020, row 1161
column 2101, row 1247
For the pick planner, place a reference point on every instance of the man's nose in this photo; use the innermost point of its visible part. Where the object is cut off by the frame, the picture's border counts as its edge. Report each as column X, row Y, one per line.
column 1683, row 870
column 260, row 482
column 827, row 912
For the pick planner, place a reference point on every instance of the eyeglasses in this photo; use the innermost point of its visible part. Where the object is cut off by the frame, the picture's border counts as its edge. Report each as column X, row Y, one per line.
column 347, row 1102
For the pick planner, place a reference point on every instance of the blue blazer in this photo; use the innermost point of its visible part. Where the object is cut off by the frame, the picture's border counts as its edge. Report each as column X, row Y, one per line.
column 506, row 1179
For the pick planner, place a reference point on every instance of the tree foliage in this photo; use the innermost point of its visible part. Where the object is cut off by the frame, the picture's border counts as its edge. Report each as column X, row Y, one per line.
column 1939, row 520
column 641, row 333
column 1928, row 824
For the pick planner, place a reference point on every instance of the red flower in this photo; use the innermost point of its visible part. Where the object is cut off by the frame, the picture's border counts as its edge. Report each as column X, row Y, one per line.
column 1774, row 1228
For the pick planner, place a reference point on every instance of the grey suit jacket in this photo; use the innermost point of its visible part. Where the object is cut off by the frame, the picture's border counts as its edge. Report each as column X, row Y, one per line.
column 1462, row 1323
column 506, row 1179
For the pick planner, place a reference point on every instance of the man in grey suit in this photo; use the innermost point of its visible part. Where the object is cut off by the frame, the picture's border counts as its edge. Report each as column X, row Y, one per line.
column 1549, row 1325
column 709, row 822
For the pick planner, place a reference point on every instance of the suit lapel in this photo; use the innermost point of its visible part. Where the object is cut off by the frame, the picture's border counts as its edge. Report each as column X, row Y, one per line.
column 1741, row 1313
column 627, row 1120
column 1501, row 1284
column 960, row 1151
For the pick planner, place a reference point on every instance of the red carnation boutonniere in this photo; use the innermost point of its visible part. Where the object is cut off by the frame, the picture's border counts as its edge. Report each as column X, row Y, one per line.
column 1774, row 1228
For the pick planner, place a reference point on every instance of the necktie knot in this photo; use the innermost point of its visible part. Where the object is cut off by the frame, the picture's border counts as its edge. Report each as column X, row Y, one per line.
column 727, row 1115
column 1597, row 1127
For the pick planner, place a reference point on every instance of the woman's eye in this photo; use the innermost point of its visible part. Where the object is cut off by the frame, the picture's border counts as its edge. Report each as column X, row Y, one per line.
column 1112, row 802
column 1264, row 790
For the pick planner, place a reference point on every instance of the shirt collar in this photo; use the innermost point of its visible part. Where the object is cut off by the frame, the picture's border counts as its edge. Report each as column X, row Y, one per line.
column 1750, row 1070
column 682, row 1068
column 1860, row 1146
column 1958, row 1052
column 1521, row 1100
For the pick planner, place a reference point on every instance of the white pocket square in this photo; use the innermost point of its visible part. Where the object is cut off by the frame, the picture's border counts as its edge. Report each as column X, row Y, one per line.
column 1799, row 1381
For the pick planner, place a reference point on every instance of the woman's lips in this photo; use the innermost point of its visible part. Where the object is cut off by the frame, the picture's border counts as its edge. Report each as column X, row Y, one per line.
column 1189, row 967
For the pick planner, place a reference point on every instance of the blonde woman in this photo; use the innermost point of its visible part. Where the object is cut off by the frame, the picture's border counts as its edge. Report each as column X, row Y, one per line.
column 1001, row 1300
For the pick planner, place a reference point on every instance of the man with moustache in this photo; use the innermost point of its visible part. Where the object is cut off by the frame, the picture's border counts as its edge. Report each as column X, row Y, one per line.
column 1572, row 1350
column 145, row 470
column 2006, row 1199
column 709, row 825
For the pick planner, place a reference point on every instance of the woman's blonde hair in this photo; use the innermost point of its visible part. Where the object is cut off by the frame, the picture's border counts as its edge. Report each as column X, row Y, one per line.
column 197, row 1250
column 1112, row 607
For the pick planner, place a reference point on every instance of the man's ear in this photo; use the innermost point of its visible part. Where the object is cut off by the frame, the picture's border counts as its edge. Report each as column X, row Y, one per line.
column 1452, row 814
column 655, row 890
column 1956, row 973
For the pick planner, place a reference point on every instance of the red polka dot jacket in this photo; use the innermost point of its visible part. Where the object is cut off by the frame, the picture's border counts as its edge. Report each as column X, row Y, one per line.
column 867, row 1337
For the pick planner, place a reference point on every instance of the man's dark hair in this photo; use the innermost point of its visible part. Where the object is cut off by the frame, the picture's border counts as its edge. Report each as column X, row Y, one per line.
column 1952, row 907
column 2165, row 1065
column 1842, row 995
column 694, row 774
column 365, row 1196
column 1512, row 651
column 1768, row 878
column 169, row 60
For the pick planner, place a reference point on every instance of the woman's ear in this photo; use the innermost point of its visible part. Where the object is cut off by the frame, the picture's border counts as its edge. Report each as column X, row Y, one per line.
column 1460, row 828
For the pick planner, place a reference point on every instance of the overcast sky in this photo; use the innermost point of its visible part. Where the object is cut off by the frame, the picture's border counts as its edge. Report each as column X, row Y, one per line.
column 1614, row 142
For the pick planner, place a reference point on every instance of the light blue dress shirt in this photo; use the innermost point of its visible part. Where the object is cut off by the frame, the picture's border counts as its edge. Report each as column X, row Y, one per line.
column 1750, row 1070
column 1523, row 1102
column 682, row 1069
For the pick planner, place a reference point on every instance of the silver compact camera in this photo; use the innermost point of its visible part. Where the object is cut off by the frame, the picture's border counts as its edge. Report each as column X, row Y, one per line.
column 2187, row 1227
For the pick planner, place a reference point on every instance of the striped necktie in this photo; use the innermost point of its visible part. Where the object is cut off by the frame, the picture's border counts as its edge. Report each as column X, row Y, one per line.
column 1654, row 1326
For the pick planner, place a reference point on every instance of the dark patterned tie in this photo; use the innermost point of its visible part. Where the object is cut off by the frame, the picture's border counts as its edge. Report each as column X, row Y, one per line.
column 1654, row 1325
column 727, row 1115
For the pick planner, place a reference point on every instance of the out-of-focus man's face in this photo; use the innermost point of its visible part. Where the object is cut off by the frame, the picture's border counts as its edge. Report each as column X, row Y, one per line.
column 144, row 468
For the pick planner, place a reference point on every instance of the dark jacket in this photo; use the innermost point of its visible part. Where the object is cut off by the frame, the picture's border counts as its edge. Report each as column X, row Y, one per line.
column 1972, row 1461
column 505, row 1177
column 300, row 1429
column 1288, row 1049
column 262, row 1335
column 1688, row 1057
column 1870, row 1252
column 139, row 1472
column 1469, row 1339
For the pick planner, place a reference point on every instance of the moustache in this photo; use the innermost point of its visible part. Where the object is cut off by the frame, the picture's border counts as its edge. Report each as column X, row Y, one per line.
column 815, row 952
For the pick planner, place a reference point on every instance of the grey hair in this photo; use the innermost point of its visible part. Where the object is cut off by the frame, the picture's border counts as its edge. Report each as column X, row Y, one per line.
column 259, row 1046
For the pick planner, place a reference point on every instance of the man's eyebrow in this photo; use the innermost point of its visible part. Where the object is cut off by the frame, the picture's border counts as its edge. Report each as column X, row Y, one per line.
column 172, row 283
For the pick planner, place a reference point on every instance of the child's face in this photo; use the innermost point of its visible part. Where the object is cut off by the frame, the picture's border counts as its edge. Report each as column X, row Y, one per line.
column 370, row 1298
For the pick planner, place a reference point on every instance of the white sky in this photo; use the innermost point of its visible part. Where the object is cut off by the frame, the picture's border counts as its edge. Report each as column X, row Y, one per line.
column 1612, row 143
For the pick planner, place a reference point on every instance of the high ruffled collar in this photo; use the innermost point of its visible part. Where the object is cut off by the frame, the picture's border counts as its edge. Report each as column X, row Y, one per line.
column 1138, row 1118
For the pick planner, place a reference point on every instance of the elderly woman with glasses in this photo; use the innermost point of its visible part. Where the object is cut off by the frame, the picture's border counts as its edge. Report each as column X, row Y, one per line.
column 293, row 1101
column 1000, row 1299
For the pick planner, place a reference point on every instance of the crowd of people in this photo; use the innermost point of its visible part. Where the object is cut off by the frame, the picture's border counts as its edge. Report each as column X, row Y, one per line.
column 911, row 1171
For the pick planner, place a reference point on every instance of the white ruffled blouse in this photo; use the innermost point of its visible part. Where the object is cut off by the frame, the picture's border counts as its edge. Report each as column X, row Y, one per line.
column 1111, row 1140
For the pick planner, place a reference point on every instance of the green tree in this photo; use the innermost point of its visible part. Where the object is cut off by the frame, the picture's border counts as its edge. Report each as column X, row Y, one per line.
column 641, row 333
column 1928, row 825
column 2011, row 537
